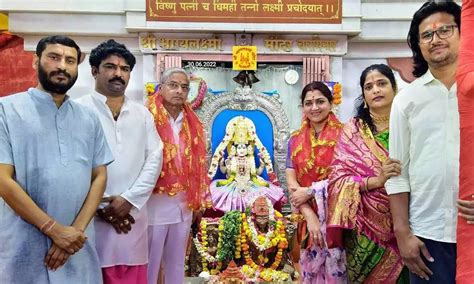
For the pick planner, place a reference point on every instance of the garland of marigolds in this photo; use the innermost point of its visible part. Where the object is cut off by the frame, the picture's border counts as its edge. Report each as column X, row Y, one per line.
column 266, row 241
column 229, row 242
column 236, row 231
column 202, row 248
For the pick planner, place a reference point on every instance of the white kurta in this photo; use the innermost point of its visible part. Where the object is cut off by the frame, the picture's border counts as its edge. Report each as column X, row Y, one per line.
column 137, row 149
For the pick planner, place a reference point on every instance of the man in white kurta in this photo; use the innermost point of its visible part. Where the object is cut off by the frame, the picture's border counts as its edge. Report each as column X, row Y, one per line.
column 134, row 141
column 182, row 190
column 53, row 157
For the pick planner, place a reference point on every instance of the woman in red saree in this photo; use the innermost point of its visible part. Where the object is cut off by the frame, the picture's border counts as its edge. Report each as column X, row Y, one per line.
column 310, row 151
column 358, row 201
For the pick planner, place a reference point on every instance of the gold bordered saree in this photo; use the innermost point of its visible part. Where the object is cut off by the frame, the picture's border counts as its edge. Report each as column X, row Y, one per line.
column 369, row 240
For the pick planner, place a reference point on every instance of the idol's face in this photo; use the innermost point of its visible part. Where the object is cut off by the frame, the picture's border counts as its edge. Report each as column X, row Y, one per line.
column 242, row 150
column 261, row 221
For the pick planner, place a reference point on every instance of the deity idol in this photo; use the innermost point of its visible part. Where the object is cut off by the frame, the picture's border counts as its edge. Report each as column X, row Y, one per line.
column 264, row 242
column 243, row 182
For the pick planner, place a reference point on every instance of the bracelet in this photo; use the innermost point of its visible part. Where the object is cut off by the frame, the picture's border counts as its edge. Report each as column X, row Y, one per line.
column 296, row 217
column 46, row 227
column 367, row 183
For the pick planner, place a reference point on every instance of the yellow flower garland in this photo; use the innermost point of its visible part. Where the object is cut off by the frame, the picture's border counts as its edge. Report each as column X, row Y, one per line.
column 337, row 94
column 202, row 248
column 250, row 269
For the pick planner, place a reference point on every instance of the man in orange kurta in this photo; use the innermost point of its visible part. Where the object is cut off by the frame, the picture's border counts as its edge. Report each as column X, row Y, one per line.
column 465, row 81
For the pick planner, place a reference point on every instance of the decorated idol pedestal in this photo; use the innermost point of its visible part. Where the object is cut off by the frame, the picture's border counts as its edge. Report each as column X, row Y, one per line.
column 249, row 246
column 246, row 238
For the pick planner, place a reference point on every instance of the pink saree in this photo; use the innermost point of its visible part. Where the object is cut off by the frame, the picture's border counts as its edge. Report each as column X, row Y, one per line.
column 371, row 247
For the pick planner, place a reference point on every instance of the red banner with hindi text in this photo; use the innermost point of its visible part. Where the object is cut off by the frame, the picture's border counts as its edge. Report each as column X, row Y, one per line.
column 246, row 11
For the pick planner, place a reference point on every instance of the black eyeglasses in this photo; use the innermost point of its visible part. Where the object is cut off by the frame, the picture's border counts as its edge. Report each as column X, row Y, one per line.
column 443, row 32
column 175, row 86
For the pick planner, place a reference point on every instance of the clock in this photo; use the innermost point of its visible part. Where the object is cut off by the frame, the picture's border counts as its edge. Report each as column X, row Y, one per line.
column 291, row 77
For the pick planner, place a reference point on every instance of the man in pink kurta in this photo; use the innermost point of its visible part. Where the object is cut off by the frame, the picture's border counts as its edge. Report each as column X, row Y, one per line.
column 465, row 81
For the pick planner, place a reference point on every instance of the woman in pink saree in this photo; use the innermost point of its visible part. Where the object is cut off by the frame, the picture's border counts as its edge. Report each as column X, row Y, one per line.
column 358, row 203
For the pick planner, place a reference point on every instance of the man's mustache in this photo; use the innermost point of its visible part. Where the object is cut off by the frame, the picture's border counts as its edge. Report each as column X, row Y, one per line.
column 436, row 46
column 60, row 72
column 117, row 79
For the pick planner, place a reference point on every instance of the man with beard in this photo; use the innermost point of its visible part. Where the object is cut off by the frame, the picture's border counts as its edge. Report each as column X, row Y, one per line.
column 53, row 157
column 424, row 136
column 121, row 223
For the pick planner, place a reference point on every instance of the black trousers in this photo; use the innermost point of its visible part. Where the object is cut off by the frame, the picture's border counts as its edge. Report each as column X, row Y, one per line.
column 444, row 265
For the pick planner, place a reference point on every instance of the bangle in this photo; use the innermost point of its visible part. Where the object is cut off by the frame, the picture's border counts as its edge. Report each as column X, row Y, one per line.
column 367, row 183
column 46, row 227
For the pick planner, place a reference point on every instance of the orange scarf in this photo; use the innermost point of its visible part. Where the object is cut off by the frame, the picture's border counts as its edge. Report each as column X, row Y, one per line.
column 191, row 177
column 311, row 157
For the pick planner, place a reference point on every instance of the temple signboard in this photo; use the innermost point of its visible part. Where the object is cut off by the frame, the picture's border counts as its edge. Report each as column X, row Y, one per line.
column 274, row 44
column 245, row 11
column 224, row 43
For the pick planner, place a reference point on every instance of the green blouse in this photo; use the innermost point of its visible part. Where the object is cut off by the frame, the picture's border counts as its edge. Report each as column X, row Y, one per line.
column 382, row 138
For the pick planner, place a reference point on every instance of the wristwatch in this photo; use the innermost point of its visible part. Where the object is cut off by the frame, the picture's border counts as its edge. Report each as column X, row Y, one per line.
column 309, row 191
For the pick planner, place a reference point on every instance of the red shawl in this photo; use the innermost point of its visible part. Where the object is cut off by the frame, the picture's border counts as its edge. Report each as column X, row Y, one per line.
column 191, row 177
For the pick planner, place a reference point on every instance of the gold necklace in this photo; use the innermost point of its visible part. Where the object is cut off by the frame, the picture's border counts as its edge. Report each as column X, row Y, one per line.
column 380, row 119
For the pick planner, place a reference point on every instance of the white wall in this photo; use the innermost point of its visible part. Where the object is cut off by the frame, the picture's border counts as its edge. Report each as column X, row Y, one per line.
column 376, row 28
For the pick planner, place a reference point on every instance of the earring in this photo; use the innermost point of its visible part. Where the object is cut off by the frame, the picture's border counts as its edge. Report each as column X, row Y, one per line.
column 365, row 104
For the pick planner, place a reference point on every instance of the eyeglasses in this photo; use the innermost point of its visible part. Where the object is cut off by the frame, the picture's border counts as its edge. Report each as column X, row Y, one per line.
column 175, row 86
column 443, row 32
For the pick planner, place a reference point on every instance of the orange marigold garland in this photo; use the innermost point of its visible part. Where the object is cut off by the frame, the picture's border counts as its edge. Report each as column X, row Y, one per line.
column 260, row 240
column 337, row 94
